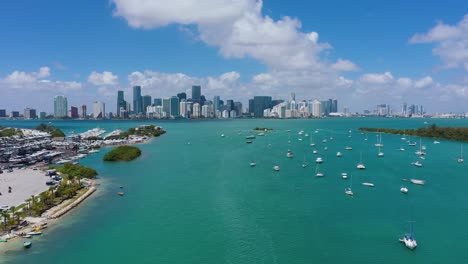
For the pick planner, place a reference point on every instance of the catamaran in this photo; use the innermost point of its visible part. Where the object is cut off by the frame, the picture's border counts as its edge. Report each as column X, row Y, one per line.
column 317, row 172
column 380, row 153
column 408, row 239
column 379, row 141
column 404, row 189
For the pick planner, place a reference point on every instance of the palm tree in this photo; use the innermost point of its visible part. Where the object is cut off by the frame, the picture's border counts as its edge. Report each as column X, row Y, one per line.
column 5, row 216
column 16, row 214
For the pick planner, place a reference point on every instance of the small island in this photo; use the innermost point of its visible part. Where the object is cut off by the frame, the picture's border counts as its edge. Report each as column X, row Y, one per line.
column 432, row 131
column 262, row 129
column 123, row 153
column 53, row 131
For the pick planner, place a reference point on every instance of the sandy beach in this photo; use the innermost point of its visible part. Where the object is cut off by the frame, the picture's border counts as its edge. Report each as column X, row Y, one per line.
column 24, row 183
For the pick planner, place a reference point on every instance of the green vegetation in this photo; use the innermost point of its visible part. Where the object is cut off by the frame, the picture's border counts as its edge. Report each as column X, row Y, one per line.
column 9, row 132
column 263, row 129
column 53, row 131
column 432, row 131
column 123, row 153
column 75, row 171
column 149, row 131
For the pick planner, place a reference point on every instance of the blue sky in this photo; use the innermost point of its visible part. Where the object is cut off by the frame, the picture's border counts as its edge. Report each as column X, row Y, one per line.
column 236, row 49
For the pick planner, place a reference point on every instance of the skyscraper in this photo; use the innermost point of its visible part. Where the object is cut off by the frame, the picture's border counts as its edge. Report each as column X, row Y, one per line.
column 137, row 101
column 260, row 103
column 316, row 108
column 251, row 106
column 83, row 111
column 166, row 105
column 215, row 103
column 2, row 113
column 238, row 108
column 99, row 110
column 74, row 112
column 120, row 102
column 146, row 101
column 174, row 106
column 196, row 93
column 60, row 106
column 157, row 101
column 182, row 96
column 334, row 108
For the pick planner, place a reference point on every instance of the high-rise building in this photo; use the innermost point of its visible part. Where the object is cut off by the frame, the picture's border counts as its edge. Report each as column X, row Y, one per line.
column 229, row 105
column 29, row 113
column 202, row 99
column 334, row 108
column 137, row 100
column 205, row 111
column 183, row 108
column 196, row 93
column 99, row 110
column 261, row 103
column 157, row 102
column 146, row 101
column 251, row 106
column 120, row 102
column 84, row 113
column 326, row 107
column 196, row 110
column 215, row 103
column 42, row 115
column 182, row 96
column 166, row 104
column 174, row 106
column 74, row 112
column 2, row 113
column 238, row 108
column 316, row 108
column 60, row 106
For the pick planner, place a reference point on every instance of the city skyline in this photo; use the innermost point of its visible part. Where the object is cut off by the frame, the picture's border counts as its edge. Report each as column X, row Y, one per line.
column 236, row 51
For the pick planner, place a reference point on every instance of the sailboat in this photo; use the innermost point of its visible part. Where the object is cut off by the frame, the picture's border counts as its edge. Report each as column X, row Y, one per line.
column 379, row 141
column 305, row 164
column 289, row 154
column 317, row 171
column 253, row 164
column 420, row 152
column 380, row 153
column 461, row 159
column 349, row 191
column 360, row 165
column 408, row 239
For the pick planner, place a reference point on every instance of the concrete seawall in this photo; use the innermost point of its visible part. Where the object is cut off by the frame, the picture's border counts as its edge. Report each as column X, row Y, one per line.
column 75, row 203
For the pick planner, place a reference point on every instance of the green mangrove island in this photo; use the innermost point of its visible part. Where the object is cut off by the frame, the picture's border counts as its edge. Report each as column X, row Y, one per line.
column 53, row 131
column 432, row 131
column 262, row 129
column 123, row 153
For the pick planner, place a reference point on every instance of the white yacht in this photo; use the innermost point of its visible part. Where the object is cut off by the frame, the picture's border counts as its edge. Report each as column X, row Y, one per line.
column 253, row 164
column 404, row 189
column 344, row 175
column 222, row 135
column 418, row 182
column 276, row 168
column 368, row 184
column 305, row 164
column 349, row 192
column 338, row 154
column 348, row 148
column 289, row 154
column 402, row 149
column 379, row 141
column 319, row 160
column 317, row 172
column 436, row 142
column 315, row 151
column 380, row 153
column 360, row 165
column 93, row 151
column 408, row 239
column 417, row 164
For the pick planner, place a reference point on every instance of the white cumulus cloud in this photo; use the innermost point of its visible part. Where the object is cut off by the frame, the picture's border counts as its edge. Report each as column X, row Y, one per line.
column 104, row 78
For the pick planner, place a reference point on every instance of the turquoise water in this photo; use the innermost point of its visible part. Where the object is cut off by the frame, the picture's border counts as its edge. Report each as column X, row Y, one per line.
column 202, row 203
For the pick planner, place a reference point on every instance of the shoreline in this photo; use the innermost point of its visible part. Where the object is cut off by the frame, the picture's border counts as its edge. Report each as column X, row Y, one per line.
column 49, row 218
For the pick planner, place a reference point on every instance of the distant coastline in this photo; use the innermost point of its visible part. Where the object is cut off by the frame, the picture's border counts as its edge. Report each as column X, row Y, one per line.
column 432, row 131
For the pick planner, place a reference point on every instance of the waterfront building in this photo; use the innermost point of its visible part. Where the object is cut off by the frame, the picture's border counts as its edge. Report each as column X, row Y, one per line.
column 205, row 112
column 29, row 113
column 83, row 111
column 196, row 110
column 216, row 103
column 267, row 113
column 232, row 114
column 225, row 114
column 137, row 100
column 14, row 114
column 183, row 108
column 121, row 103
column 99, row 110
column 74, row 112
column 196, row 93
column 2, row 113
column 123, row 113
column 334, row 108
column 42, row 115
column 238, row 108
column 182, row 96
column 146, row 101
column 326, row 107
column 316, row 108
column 229, row 105
column 174, row 110
column 166, row 106
column 157, row 101
column 218, row 114
column 260, row 103
column 60, row 106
